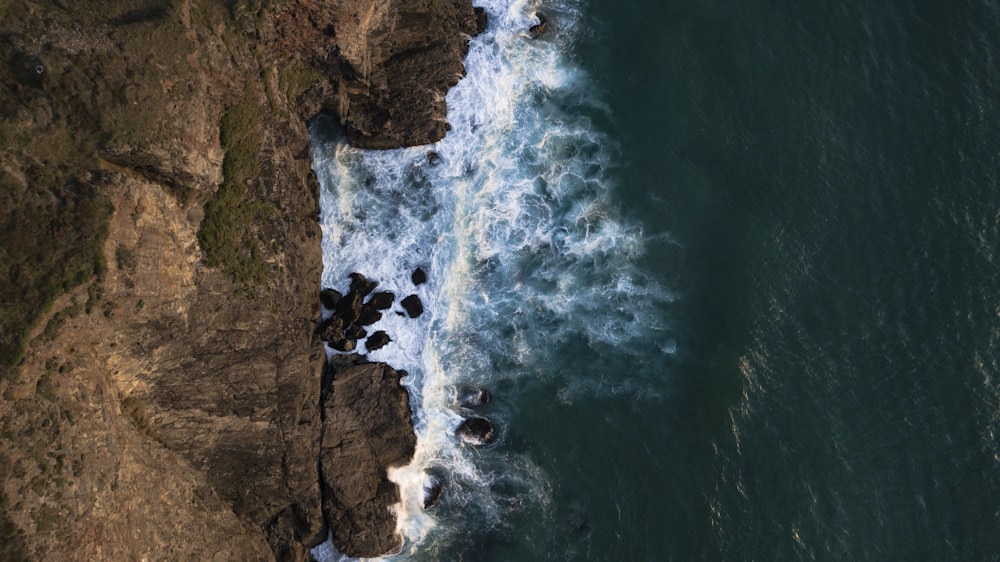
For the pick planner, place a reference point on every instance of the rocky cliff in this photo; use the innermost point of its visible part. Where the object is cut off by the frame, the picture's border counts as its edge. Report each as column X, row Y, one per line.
column 160, row 391
column 366, row 430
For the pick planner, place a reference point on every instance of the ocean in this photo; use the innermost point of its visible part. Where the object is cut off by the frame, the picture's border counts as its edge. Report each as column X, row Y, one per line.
column 730, row 271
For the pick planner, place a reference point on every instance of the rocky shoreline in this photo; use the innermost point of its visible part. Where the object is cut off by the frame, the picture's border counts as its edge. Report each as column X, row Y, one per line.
column 166, row 395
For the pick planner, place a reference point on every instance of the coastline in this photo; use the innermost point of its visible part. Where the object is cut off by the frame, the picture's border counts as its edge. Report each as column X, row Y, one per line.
column 168, row 400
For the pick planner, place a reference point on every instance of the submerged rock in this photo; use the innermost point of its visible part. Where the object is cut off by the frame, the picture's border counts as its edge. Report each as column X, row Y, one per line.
column 413, row 306
column 476, row 431
column 539, row 28
column 433, row 490
column 419, row 276
column 377, row 340
column 345, row 345
column 349, row 308
column 471, row 397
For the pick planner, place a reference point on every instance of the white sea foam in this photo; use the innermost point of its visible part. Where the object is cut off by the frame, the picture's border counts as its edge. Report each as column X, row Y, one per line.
column 520, row 242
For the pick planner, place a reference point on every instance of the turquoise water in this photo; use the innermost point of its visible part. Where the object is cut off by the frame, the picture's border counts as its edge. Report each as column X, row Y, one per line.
column 731, row 271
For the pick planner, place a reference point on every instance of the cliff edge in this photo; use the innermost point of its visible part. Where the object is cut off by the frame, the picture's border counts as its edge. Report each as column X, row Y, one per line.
column 160, row 388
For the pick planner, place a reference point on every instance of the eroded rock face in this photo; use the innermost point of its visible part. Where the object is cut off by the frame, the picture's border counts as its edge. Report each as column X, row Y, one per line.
column 366, row 429
column 399, row 59
column 184, row 409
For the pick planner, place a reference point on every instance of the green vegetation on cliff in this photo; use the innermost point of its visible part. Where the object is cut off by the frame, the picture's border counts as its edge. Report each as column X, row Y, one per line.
column 52, row 234
column 226, row 234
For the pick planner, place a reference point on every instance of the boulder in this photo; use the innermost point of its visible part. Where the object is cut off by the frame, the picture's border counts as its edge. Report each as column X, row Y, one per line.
column 377, row 340
column 413, row 306
column 419, row 276
column 482, row 20
column 329, row 298
column 476, row 431
column 539, row 28
column 368, row 316
column 349, row 308
column 345, row 345
column 367, row 428
column 433, row 490
column 355, row 332
column 331, row 329
column 471, row 397
column 381, row 300
column 361, row 284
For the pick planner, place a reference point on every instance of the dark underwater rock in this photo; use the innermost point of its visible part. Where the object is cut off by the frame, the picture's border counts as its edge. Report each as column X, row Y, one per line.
column 471, row 397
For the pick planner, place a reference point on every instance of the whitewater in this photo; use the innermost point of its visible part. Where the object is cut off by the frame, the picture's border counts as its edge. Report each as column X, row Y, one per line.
column 512, row 218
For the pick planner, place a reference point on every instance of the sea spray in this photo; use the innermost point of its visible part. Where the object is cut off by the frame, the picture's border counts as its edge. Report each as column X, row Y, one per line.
column 510, row 217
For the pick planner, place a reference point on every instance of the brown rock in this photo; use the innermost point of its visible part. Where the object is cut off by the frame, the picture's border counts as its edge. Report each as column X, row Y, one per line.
column 331, row 329
column 381, row 300
column 330, row 298
column 369, row 316
column 345, row 345
column 362, row 285
column 355, row 332
column 398, row 62
column 366, row 429
column 377, row 340
column 349, row 308
column 184, row 423
column 476, row 431
column 482, row 21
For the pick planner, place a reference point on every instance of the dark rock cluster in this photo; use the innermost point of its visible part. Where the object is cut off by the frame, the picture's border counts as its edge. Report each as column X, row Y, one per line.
column 362, row 306
column 351, row 313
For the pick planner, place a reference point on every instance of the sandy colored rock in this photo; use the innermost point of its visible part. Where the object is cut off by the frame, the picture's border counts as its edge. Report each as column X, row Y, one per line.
column 169, row 407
